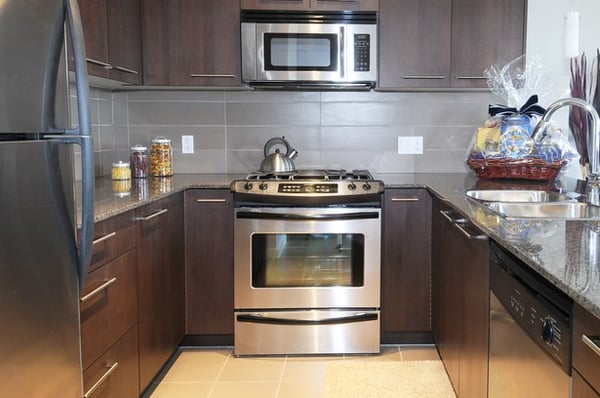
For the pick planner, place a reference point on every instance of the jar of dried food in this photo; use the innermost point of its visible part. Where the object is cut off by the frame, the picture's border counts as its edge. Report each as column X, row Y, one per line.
column 121, row 171
column 138, row 160
column 161, row 157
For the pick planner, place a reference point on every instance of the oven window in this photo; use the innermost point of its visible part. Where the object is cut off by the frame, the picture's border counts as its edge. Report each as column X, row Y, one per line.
column 307, row 260
column 297, row 51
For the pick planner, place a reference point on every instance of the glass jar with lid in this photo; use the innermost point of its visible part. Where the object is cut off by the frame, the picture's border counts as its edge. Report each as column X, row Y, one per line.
column 161, row 157
column 138, row 161
column 121, row 171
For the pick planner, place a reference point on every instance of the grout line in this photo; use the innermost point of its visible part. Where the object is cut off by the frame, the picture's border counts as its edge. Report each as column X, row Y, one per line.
column 281, row 377
column 214, row 385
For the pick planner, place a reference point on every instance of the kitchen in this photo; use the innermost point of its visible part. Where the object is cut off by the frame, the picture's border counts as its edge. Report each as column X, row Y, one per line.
column 230, row 126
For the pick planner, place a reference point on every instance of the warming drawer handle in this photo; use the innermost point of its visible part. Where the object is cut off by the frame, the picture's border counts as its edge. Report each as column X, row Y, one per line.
column 320, row 217
column 98, row 290
column 590, row 343
column 360, row 317
column 405, row 199
column 103, row 238
column 151, row 216
column 102, row 379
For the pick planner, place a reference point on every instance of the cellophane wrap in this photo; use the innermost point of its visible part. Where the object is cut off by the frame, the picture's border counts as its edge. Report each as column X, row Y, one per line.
column 503, row 146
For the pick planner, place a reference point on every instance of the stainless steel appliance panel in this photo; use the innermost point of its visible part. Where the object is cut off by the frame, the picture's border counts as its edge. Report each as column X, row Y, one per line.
column 39, row 295
column 33, row 65
column 308, row 221
column 306, row 332
column 518, row 367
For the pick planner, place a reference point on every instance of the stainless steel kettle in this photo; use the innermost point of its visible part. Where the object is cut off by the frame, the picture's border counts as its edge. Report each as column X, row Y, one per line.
column 278, row 162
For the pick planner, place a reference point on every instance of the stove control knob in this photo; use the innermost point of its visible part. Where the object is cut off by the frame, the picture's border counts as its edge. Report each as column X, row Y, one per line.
column 352, row 186
column 248, row 186
column 366, row 186
column 548, row 331
column 263, row 186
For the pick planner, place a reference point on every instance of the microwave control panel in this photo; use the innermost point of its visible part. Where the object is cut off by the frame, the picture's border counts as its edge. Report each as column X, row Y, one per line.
column 362, row 44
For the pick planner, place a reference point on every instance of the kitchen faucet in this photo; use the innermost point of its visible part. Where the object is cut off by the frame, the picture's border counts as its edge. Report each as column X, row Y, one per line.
column 593, row 135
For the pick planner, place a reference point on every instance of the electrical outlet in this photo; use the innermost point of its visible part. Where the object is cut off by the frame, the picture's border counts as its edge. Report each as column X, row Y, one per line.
column 187, row 144
column 410, row 145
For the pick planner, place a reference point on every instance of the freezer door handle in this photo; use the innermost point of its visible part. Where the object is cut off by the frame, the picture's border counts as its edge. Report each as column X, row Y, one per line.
column 358, row 317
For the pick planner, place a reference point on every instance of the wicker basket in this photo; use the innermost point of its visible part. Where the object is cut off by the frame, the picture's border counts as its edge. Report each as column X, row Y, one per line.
column 525, row 169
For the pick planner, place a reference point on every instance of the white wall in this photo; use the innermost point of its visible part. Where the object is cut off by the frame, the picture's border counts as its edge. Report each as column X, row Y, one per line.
column 545, row 37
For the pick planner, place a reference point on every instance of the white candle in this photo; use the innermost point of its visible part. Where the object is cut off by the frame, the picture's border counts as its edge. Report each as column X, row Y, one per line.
column 572, row 34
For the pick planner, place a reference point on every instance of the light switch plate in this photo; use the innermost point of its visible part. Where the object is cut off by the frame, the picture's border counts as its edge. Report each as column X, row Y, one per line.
column 187, row 144
column 410, row 145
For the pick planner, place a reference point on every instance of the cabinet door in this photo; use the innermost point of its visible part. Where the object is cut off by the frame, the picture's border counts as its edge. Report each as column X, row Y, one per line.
column 581, row 389
column 125, row 40
column 95, row 30
column 161, row 298
column 586, row 345
column 192, row 43
column 406, row 263
column 275, row 4
column 209, row 262
column 344, row 5
column 484, row 32
column 415, row 43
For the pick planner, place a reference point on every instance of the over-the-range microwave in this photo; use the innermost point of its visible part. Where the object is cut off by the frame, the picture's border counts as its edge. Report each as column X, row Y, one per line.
column 307, row 50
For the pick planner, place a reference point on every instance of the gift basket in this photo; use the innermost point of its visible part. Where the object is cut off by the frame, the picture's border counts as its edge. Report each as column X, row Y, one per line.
column 503, row 147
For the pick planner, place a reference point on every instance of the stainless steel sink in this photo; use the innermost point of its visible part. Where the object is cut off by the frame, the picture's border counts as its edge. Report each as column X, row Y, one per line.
column 546, row 210
column 514, row 195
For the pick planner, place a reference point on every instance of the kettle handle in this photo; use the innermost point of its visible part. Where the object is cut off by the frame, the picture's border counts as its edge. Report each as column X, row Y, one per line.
column 277, row 140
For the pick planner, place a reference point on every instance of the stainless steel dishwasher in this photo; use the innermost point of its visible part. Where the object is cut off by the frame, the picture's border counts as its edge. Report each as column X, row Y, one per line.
column 530, row 332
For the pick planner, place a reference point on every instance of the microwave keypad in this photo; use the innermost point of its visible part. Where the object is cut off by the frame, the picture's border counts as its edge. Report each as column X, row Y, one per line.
column 362, row 45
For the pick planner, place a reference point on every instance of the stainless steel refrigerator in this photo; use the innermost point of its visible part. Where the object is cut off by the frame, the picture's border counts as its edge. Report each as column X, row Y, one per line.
column 42, row 263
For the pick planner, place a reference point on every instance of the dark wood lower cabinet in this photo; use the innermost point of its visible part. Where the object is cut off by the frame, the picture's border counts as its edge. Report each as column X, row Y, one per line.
column 161, row 303
column 586, row 357
column 406, row 266
column 460, row 295
column 581, row 389
column 209, row 266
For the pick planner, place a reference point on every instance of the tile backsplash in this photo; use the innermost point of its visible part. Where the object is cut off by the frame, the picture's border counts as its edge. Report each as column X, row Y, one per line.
column 328, row 129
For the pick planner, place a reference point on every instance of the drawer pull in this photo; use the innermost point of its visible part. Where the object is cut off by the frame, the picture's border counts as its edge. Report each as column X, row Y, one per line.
column 126, row 70
column 99, row 63
column 405, row 199
column 103, row 238
column 211, row 200
column 458, row 225
column 337, row 1
column 98, row 290
column 446, row 214
column 212, row 75
column 151, row 216
column 590, row 343
column 105, row 376
column 471, row 78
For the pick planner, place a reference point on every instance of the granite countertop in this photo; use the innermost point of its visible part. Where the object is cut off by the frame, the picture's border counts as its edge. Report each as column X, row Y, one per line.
column 566, row 253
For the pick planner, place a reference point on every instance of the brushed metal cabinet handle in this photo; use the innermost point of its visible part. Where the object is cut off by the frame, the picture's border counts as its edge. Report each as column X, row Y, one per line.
column 338, row 1
column 471, row 77
column 98, row 290
column 103, row 238
column 216, row 200
column 151, row 216
column 99, row 63
column 591, row 344
column 446, row 214
column 405, row 199
column 467, row 234
column 126, row 70
column 430, row 77
column 212, row 75
column 101, row 380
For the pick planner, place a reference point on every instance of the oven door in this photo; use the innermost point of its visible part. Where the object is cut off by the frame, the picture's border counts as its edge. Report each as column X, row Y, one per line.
column 292, row 258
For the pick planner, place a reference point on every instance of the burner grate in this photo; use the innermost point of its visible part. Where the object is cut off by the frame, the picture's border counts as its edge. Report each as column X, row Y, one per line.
column 323, row 175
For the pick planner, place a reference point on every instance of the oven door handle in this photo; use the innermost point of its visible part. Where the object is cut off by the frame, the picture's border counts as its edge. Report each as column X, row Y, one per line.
column 305, row 217
column 358, row 317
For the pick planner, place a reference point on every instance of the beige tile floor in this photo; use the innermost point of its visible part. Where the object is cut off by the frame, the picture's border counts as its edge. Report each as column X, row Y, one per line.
column 216, row 373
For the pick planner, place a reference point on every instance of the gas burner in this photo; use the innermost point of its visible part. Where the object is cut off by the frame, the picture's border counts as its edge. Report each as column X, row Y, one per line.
column 318, row 174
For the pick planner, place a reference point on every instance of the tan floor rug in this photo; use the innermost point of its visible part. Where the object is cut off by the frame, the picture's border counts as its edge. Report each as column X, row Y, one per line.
column 383, row 379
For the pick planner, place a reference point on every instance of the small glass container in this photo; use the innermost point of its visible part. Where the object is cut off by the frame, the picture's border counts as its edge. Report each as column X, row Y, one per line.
column 121, row 171
column 138, row 161
column 161, row 157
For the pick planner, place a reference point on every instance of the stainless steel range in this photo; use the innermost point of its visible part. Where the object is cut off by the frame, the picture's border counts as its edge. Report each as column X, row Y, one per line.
column 307, row 262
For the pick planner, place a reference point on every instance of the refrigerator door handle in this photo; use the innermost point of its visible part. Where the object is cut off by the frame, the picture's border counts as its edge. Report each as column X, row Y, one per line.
column 86, row 142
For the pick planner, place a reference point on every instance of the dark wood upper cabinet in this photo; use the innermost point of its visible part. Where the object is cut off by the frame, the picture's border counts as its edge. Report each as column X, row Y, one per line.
column 415, row 43
column 191, row 43
column 313, row 5
column 447, row 43
column 112, row 33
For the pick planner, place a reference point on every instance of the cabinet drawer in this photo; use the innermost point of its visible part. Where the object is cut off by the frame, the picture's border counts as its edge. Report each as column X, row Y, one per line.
column 581, row 389
column 586, row 346
column 115, row 374
column 112, row 237
column 108, row 306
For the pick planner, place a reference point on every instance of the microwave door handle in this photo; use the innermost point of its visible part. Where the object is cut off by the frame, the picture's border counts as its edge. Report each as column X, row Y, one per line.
column 342, row 53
